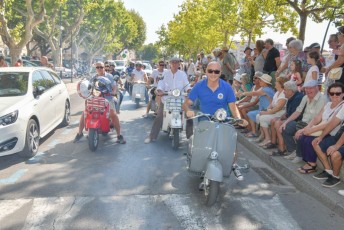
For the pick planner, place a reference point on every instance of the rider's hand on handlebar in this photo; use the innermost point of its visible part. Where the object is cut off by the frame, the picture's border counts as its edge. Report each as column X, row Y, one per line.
column 190, row 113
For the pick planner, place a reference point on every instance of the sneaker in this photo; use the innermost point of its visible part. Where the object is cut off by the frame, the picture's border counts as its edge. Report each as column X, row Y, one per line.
column 322, row 175
column 237, row 173
column 148, row 140
column 120, row 139
column 291, row 156
column 297, row 160
column 341, row 192
column 78, row 137
column 331, row 182
column 145, row 115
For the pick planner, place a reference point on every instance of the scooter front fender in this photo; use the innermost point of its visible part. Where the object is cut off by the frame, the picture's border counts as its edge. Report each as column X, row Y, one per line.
column 214, row 171
column 92, row 123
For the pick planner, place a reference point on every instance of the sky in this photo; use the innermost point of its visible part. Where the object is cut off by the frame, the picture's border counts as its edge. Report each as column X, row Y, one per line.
column 158, row 12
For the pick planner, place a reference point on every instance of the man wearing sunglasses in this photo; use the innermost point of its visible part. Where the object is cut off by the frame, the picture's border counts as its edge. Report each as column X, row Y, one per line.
column 173, row 79
column 214, row 93
column 100, row 68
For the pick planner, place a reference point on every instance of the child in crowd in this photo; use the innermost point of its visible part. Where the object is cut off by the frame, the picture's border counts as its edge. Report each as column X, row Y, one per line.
column 296, row 73
column 313, row 60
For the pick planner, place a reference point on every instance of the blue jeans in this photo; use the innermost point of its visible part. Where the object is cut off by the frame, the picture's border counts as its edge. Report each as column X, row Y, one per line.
column 288, row 136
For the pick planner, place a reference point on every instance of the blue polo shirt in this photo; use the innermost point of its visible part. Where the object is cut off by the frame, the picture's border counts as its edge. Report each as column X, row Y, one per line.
column 211, row 101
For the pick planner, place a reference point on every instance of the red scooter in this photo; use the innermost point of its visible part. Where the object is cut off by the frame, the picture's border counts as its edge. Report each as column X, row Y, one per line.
column 97, row 112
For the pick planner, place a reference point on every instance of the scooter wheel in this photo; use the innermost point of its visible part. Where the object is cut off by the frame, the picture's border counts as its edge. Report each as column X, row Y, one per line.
column 93, row 139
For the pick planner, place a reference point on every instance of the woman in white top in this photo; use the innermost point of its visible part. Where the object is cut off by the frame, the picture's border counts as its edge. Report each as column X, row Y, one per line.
column 276, row 109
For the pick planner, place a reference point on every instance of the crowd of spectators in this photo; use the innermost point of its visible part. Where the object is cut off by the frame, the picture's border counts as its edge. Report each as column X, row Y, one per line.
column 294, row 104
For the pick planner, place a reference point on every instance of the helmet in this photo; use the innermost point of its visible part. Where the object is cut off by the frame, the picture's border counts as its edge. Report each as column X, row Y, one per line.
column 115, row 77
column 139, row 63
column 102, row 83
column 84, row 88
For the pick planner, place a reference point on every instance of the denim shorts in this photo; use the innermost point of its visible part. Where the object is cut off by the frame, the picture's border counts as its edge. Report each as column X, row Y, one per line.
column 329, row 141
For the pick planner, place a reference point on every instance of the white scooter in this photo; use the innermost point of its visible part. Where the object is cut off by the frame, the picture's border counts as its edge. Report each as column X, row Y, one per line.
column 139, row 92
column 174, row 117
column 211, row 152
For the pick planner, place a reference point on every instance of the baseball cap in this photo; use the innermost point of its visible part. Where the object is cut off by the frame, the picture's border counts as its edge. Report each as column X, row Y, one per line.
column 310, row 83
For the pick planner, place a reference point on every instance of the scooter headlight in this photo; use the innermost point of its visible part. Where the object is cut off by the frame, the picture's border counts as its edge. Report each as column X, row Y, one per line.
column 176, row 92
column 214, row 155
column 221, row 114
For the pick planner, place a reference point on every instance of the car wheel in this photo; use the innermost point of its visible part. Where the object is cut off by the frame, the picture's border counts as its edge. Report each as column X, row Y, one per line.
column 66, row 117
column 31, row 140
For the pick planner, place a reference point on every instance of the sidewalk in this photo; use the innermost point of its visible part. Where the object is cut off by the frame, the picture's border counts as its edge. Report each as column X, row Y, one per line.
column 303, row 182
column 71, row 86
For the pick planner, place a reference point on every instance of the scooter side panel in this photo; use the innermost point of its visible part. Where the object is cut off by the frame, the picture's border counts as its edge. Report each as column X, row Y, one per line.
column 139, row 89
column 202, row 143
column 226, row 147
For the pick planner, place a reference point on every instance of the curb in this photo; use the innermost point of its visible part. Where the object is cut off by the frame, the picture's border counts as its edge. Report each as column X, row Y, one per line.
column 303, row 182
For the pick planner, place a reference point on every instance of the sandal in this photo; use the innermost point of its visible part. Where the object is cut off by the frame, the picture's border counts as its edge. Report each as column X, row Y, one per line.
column 278, row 152
column 250, row 135
column 263, row 143
column 303, row 170
column 245, row 131
column 269, row 146
column 259, row 139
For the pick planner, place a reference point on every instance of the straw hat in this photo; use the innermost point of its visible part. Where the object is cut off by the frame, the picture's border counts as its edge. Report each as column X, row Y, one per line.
column 266, row 78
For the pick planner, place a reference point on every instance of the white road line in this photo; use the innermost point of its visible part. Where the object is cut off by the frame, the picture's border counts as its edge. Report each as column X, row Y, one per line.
column 14, row 177
column 269, row 213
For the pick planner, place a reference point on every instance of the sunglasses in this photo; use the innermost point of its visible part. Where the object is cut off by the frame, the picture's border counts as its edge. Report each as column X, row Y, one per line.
column 213, row 71
column 107, row 66
column 335, row 93
column 161, row 64
column 99, row 67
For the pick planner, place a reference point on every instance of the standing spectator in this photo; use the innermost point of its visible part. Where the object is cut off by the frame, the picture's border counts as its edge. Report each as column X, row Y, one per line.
column 333, row 44
column 340, row 52
column 272, row 59
column 316, row 47
column 296, row 53
column 44, row 61
column 3, row 62
column 313, row 60
column 282, row 70
column 258, row 61
column 245, row 65
column 18, row 63
column 191, row 69
column 204, row 61
column 309, row 107
column 228, row 65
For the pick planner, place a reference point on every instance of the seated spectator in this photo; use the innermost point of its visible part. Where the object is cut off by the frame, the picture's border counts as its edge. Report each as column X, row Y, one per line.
column 18, row 63
column 275, row 110
column 294, row 98
column 316, row 125
column 309, row 107
column 241, row 84
column 265, row 94
column 249, row 103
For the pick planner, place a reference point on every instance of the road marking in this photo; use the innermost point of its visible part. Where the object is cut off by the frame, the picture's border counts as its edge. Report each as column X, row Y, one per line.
column 66, row 131
column 14, row 177
column 36, row 158
column 269, row 213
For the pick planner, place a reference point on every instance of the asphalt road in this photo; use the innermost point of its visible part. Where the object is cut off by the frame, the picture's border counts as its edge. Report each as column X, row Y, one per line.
column 142, row 186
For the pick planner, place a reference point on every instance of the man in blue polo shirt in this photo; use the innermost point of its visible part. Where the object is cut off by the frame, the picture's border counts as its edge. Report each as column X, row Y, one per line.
column 213, row 94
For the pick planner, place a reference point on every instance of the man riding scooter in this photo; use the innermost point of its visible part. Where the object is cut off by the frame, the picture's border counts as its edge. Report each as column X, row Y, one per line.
column 213, row 94
column 173, row 79
column 100, row 68
column 157, row 75
column 128, row 86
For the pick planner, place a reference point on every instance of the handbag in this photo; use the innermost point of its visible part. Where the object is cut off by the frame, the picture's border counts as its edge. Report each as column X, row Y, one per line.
column 335, row 73
column 319, row 132
column 300, row 125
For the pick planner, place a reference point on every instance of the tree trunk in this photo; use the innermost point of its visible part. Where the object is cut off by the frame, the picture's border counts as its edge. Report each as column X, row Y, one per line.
column 302, row 28
column 249, row 39
column 15, row 53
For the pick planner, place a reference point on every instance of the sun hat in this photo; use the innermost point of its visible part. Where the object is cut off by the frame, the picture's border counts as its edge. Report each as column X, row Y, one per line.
column 266, row 78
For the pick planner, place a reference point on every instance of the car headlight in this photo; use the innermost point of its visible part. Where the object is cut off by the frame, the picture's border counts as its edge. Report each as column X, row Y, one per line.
column 9, row 118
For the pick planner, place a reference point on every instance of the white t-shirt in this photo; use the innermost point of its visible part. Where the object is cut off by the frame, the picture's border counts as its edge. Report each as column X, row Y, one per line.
column 138, row 75
column 171, row 81
column 328, row 114
column 155, row 74
column 310, row 71
column 278, row 96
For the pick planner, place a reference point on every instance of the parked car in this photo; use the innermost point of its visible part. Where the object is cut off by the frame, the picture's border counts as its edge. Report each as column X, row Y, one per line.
column 66, row 72
column 34, row 101
column 120, row 65
column 26, row 63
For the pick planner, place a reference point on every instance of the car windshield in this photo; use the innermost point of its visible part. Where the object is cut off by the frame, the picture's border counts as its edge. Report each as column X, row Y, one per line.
column 119, row 63
column 13, row 84
column 148, row 67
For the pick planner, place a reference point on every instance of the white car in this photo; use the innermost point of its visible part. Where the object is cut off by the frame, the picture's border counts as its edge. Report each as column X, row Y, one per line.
column 148, row 69
column 120, row 65
column 33, row 101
